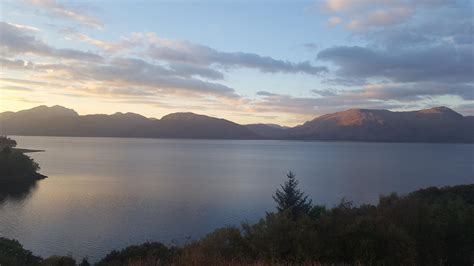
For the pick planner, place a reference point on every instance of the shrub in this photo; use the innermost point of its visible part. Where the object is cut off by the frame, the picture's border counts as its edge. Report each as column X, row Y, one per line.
column 12, row 253
column 151, row 253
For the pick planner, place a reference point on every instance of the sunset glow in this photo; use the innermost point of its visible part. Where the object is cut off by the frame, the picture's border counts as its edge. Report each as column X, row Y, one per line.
column 237, row 60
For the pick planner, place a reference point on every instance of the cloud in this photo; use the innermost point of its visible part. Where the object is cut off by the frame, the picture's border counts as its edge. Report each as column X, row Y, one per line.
column 324, row 92
column 347, row 5
column 266, row 93
column 334, row 21
column 400, row 92
column 448, row 26
column 368, row 14
column 57, row 10
column 380, row 18
column 109, row 47
column 126, row 73
column 373, row 96
column 197, row 54
column 14, row 88
column 25, row 100
column 15, row 64
column 310, row 107
column 413, row 92
column 442, row 63
column 311, row 46
column 467, row 109
column 416, row 52
column 19, row 40
column 21, row 81
column 196, row 70
column 122, row 91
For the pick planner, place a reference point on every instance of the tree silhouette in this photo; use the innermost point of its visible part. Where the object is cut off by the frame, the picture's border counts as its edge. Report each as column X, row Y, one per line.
column 290, row 198
column 6, row 143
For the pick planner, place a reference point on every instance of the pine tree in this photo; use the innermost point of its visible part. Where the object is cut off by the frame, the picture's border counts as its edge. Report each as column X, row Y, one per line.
column 289, row 197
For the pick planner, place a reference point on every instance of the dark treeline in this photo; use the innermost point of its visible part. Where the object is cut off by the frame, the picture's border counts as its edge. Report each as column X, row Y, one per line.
column 432, row 226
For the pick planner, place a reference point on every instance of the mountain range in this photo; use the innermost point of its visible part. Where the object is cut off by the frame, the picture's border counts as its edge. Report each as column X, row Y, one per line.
column 439, row 124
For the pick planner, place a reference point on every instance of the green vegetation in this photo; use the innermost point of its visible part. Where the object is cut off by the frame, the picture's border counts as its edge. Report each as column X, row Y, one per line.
column 432, row 226
column 14, row 164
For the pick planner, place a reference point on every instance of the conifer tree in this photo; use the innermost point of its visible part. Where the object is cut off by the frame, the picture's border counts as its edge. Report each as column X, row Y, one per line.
column 290, row 198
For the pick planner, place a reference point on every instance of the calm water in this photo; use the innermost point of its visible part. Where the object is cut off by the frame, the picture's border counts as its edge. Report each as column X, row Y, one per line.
column 106, row 193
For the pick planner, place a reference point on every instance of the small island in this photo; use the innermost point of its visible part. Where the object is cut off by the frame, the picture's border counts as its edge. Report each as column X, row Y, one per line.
column 15, row 165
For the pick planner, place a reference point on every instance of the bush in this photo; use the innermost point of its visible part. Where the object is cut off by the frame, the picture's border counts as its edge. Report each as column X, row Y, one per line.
column 12, row 253
column 147, row 254
column 59, row 261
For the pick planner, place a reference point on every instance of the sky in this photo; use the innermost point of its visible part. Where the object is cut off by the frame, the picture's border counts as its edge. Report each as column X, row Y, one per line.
column 282, row 62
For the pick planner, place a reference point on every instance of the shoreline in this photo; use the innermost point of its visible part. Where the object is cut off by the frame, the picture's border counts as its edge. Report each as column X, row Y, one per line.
column 23, row 178
column 26, row 150
column 246, row 139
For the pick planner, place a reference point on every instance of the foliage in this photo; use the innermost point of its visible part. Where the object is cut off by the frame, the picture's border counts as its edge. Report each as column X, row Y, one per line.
column 59, row 261
column 84, row 262
column 16, row 164
column 12, row 254
column 6, row 142
column 290, row 199
column 148, row 253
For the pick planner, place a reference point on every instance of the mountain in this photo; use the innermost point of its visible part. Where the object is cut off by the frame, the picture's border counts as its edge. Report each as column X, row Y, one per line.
column 438, row 124
column 193, row 126
column 269, row 131
column 60, row 121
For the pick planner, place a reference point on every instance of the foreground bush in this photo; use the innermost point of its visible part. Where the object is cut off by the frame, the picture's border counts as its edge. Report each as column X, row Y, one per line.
column 145, row 254
column 433, row 226
column 13, row 253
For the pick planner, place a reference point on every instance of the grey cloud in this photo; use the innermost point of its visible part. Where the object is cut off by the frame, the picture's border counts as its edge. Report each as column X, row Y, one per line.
column 132, row 72
column 374, row 96
column 311, row 106
column 408, row 92
column 419, row 56
column 449, row 25
column 266, row 93
column 186, row 52
column 311, row 46
column 344, row 81
column 439, row 63
column 325, row 92
column 15, row 64
column 16, row 40
column 191, row 70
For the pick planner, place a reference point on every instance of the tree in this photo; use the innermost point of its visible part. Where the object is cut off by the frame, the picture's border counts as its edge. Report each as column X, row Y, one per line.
column 290, row 198
column 6, row 143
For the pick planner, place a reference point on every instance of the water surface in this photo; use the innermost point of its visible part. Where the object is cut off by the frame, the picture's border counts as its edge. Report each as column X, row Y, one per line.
column 107, row 193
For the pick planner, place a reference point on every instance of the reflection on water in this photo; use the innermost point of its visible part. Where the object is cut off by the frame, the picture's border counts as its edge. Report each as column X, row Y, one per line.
column 17, row 192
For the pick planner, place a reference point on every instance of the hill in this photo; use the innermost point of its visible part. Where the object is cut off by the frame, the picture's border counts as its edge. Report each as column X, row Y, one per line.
column 61, row 121
column 439, row 124
column 269, row 131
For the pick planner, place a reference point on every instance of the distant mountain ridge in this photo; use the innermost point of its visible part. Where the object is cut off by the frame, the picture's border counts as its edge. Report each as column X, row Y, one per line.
column 439, row 124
